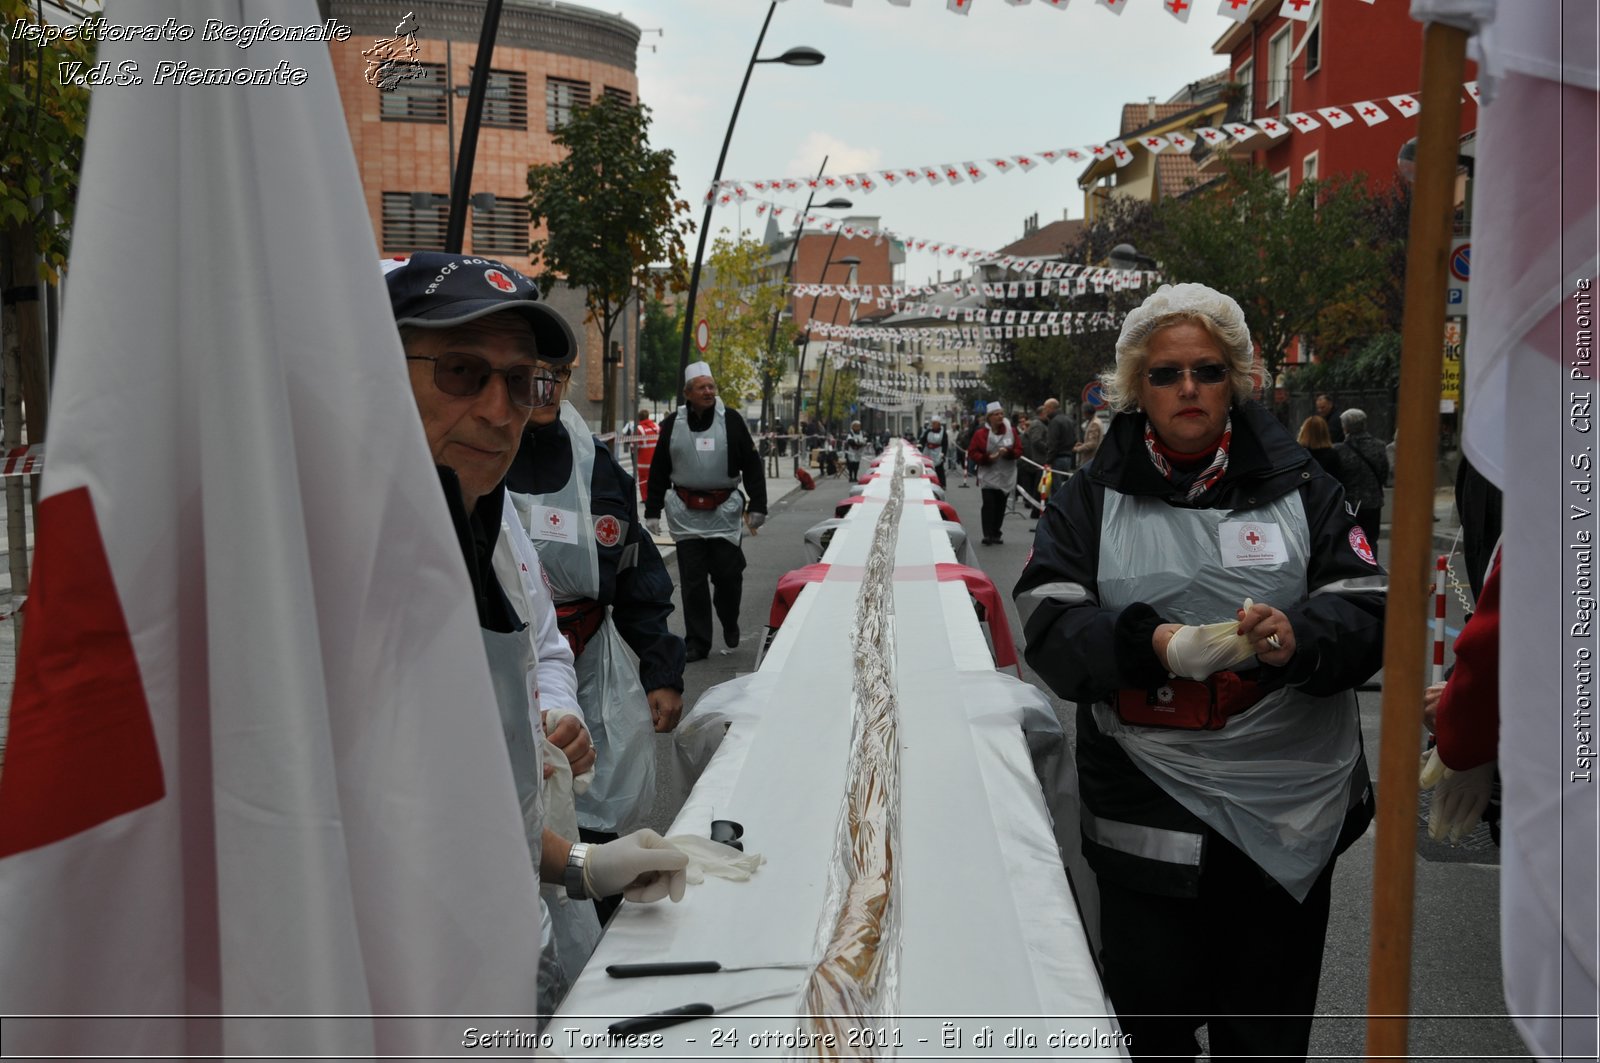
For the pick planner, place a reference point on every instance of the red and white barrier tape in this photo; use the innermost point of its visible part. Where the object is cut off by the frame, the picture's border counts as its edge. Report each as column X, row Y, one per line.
column 23, row 461
column 1438, row 618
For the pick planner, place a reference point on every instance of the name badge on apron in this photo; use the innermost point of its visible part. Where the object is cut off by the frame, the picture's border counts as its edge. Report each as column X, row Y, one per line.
column 1246, row 543
column 555, row 525
column 705, row 443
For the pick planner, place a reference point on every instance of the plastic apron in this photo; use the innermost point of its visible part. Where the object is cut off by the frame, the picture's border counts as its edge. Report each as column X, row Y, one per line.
column 935, row 446
column 609, row 692
column 510, row 656
column 1276, row 780
column 700, row 463
column 1000, row 474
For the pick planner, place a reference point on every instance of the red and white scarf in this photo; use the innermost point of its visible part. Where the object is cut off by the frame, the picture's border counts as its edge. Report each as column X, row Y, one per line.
column 1207, row 476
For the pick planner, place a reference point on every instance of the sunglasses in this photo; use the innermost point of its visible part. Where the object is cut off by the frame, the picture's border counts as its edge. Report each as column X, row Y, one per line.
column 466, row 375
column 1168, row 375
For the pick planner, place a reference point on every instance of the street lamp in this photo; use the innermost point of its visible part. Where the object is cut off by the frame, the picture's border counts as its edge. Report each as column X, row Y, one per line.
column 805, row 341
column 1126, row 256
column 799, row 56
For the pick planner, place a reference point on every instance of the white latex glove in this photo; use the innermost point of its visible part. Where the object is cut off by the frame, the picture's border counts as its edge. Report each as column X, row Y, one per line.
column 755, row 520
column 707, row 857
column 643, row 867
column 1197, row 650
column 653, row 526
column 580, row 783
column 1459, row 797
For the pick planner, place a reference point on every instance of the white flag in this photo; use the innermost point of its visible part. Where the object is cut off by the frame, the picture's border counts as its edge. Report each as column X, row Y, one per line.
column 255, row 766
column 1472, row 90
column 1301, row 122
column 1299, row 10
column 1180, row 143
column 1120, row 153
column 1272, row 127
column 1238, row 10
column 1114, row 6
column 1178, row 9
column 1336, row 116
column 1370, row 113
column 1406, row 106
column 1208, row 134
column 1240, row 131
column 1027, row 162
column 952, row 173
column 1155, row 145
column 960, row 7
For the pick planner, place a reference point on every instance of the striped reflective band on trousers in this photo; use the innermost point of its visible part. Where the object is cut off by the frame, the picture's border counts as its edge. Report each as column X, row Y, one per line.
column 1065, row 593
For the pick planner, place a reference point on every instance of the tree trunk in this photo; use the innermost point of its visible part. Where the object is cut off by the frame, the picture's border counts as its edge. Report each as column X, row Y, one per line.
column 25, row 380
column 608, row 375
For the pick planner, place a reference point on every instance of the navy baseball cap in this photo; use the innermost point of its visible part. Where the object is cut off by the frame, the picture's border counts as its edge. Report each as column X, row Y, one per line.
column 433, row 289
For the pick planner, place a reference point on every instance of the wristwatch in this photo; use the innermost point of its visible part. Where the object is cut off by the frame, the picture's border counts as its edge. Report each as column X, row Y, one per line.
column 572, row 874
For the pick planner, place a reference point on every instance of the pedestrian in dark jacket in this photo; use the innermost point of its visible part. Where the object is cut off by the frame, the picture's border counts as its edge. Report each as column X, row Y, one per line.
column 1364, row 469
column 1314, row 437
column 1330, row 414
column 1221, row 773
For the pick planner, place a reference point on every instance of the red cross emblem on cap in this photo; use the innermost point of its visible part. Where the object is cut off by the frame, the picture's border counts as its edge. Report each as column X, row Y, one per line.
column 499, row 280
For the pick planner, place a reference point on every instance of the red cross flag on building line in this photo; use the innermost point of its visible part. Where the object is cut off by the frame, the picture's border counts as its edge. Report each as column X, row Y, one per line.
column 1238, row 10
column 1472, row 90
column 1155, row 145
column 1299, row 10
column 975, row 171
column 889, row 177
column 867, row 184
column 1052, row 157
column 1178, row 9
column 1002, row 165
column 1406, row 105
column 1120, row 152
column 1114, row 6
column 1336, row 117
column 1024, row 161
column 931, row 173
column 849, row 180
column 1240, row 131
column 1302, row 122
column 1272, row 127
column 952, row 173
column 912, row 175
column 1100, row 151
column 1370, row 113
column 960, row 7
column 1059, row 5
column 1180, row 143
column 1073, row 155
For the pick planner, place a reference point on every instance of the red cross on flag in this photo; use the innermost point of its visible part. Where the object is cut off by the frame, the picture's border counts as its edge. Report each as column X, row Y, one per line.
column 1238, row 10
column 1120, row 152
column 1059, row 5
column 1016, row 3
column 952, row 173
column 1302, row 122
column 830, row 182
column 1051, row 157
column 1003, row 165
column 960, row 7
column 1114, row 6
column 849, row 180
column 1472, row 90
column 932, row 174
column 1024, row 161
column 975, row 171
column 1272, row 127
column 759, row 186
column 1155, row 145
column 1406, row 105
column 1371, row 113
column 912, row 175
column 724, row 199
column 812, row 182
column 1299, row 10
column 1179, row 143
column 1073, row 154
column 1100, row 151
column 865, row 183
column 790, row 184
column 1336, row 116
column 1240, row 131
column 1178, row 9
column 761, row 209
column 889, row 177
column 740, row 191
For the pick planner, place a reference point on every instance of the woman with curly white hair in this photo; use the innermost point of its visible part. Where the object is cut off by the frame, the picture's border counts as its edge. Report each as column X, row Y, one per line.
column 1203, row 594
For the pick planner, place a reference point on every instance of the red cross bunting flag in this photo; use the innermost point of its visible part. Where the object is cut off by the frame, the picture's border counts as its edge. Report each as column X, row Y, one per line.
column 960, row 7
column 1238, row 10
column 1155, row 145
column 1301, row 122
column 1180, row 143
column 1370, row 113
column 1335, row 116
column 1208, row 134
column 1299, row 10
column 1240, row 131
column 1272, row 127
column 1406, row 105
column 1178, row 9
column 1120, row 152
column 1114, row 6
column 255, row 767
column 975, row 171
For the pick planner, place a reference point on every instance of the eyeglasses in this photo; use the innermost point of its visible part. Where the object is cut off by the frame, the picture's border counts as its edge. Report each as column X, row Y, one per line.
column 1168, row 375
column 466, row 375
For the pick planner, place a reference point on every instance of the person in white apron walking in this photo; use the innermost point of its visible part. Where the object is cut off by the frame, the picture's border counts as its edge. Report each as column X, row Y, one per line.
column 463, row 322
column 708, row 478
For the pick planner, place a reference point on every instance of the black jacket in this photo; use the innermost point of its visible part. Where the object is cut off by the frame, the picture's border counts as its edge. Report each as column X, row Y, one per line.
column 743, row 461
column 1086, row 653
column 633, row 578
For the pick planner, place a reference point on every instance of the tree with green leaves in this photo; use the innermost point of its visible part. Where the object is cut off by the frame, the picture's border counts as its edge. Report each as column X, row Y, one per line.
column 660, row 340
column 737, row 300
column 1304, row 264
column 610, row 210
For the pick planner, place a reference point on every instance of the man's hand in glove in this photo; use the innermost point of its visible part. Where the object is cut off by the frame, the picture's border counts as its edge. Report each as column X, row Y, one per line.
column 642, row 867
column 755, row 520
column 1459, row 797
column 653, row 526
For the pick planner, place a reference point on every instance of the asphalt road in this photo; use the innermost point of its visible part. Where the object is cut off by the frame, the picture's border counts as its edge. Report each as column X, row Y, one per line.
column 1458, row 1005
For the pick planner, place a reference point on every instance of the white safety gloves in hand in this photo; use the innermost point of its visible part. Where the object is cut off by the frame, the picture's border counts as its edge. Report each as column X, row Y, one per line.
column 653, row 526
column 1459, row 797
column 643, row 867
column 1198, row 650
column 755, row 520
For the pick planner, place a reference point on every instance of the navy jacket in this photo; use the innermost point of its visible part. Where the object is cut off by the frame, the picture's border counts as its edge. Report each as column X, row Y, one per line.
column 633, row 578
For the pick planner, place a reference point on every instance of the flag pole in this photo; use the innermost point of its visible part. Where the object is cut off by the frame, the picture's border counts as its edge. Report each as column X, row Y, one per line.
column 1405, row 629
column 461, row 184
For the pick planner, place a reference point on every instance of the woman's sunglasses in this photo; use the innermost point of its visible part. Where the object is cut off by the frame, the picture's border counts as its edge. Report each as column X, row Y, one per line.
column 466, row 375
column 1168, row 375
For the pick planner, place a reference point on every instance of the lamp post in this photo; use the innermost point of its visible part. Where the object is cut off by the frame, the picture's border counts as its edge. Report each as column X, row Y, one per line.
column 800, row 56
column 805, row 341
column 1126, row 256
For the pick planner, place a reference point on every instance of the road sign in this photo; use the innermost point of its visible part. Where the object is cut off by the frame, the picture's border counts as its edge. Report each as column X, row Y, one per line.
column 1455, row 297
column 702, row 335
column 1094, row 395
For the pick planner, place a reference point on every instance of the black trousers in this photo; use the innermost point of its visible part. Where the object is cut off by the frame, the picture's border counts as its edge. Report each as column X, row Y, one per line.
column 994, row 512
column 1234, row 959
column 710, row 571
column 852, row 469
column 938, row 470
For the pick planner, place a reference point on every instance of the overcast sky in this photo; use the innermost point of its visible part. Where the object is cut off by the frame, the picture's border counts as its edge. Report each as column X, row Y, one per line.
column 910, row 85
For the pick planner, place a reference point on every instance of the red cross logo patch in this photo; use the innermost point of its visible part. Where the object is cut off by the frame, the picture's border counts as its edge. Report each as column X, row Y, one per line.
column 499, row 280
column 553, row 519
column 1250, row 537
column 1363, row 549
column 608, row 531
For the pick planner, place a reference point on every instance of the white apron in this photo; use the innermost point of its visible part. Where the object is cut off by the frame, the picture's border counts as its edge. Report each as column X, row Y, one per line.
column 613, row 701
column 1000, row 474
column 700, row 463
column 935, row 446
column 1276, row 780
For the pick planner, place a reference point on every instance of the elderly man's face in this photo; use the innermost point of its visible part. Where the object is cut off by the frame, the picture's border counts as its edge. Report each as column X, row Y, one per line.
column 1050, row 408
column 701, row 393
column 1324, row 407
column 475, row 435
column 996, row 418
column 555, row 379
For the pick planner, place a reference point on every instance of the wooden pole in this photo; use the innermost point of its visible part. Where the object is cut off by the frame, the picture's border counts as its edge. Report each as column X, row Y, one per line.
column 1405, row 632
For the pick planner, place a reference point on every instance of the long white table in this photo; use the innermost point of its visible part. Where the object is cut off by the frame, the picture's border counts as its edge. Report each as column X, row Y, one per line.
column 989, row 938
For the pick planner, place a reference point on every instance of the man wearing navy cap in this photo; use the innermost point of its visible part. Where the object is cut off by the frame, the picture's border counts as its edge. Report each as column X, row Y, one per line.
column 464, row 322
